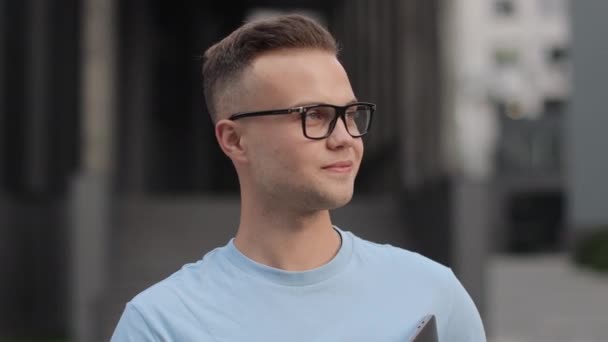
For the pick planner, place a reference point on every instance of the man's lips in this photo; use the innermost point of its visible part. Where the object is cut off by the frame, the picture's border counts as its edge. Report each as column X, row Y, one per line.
column 341, row 166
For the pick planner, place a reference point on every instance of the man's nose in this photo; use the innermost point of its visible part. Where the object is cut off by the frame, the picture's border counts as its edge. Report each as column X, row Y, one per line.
column 339, row 137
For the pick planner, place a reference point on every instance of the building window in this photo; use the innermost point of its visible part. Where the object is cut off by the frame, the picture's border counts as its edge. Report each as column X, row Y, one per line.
column 504, row 8
column 552, row 8
column 557, row 55
column 506, row 57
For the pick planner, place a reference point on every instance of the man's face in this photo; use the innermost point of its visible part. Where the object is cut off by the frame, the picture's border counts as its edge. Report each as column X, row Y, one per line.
column 282, row 164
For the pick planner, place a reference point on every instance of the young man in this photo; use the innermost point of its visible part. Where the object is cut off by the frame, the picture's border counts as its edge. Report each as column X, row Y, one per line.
column 287, row 117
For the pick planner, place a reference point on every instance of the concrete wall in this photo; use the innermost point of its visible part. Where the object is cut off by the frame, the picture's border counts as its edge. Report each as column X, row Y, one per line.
column 587, row 123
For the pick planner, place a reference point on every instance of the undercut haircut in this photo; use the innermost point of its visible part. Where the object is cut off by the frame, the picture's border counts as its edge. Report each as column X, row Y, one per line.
column 225, row 62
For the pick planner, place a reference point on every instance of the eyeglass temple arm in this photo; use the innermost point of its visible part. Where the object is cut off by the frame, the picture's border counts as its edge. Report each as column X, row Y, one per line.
column 268, row 112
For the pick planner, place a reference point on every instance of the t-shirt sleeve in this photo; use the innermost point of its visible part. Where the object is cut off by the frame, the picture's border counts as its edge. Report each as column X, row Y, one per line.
column 133, row 327
column 464, row 322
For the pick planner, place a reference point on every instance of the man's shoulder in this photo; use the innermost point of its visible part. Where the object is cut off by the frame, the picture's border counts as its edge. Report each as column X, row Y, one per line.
column 399, row 258
column 159, row 294
column 190, row 279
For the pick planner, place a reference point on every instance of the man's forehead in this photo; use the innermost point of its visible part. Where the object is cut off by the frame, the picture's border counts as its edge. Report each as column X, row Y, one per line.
column 305, row 103
column 305, row 76
column 291, row 61
column 286, row 78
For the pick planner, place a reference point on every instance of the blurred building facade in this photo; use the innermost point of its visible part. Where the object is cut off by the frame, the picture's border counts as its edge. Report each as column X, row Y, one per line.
column 509, row 85
column 39, row 119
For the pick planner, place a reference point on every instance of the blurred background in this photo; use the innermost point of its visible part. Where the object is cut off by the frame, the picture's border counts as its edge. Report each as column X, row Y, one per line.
column 487, row 153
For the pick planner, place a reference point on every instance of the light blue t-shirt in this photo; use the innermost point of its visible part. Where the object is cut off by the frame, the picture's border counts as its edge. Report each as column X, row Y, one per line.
column 367, row 292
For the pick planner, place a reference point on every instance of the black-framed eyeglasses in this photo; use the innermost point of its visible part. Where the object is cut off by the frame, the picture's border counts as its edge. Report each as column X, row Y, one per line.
column 319, row 120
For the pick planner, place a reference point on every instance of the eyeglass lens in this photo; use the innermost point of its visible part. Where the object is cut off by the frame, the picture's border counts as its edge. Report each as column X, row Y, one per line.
column 318, row 120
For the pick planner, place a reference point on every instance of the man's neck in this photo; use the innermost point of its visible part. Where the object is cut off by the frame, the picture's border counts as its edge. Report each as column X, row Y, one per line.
column 288, row 241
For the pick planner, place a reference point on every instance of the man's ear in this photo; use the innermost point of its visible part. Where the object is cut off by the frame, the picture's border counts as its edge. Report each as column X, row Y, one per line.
column 229, row 136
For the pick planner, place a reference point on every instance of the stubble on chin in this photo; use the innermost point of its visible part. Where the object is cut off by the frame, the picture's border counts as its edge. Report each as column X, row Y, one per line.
column 328, row 198
column 307, row 194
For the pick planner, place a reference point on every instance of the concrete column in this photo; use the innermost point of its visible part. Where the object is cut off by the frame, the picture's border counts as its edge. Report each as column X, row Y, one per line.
column 2, row 109
column 3, row 15
column 38, row 95
column 138, row 60
column 472, row 202
column 7, row 240
column 587, row 121
column 91, row 193
column 472, row 207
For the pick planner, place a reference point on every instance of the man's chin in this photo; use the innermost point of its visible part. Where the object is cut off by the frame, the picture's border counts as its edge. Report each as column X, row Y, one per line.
column 338, row 201
column 327, row 198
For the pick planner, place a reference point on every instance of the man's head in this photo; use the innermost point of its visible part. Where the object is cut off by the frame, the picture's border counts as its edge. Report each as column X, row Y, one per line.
column 275, row 65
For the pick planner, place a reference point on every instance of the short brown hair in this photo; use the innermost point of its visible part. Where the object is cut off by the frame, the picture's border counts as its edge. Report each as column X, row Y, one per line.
column 225, row 61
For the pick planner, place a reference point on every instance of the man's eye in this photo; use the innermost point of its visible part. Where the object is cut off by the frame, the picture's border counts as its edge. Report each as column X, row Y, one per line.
column 352, row 114
column 314, row 115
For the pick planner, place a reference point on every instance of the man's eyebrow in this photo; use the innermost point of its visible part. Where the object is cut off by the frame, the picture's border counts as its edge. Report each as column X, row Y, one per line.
column 310, row 103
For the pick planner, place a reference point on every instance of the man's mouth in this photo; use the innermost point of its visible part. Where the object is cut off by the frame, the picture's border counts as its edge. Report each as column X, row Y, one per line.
column 339, row 167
